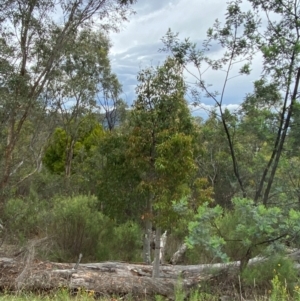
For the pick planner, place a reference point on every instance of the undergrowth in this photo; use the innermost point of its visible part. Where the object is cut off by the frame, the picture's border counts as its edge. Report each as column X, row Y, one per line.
column 279, row 292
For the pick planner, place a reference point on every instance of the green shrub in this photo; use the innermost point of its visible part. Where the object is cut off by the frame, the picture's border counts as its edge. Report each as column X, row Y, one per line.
column 74, row 225
column 279, row 290
column 127, row 242
column 26, row 218
column 78, row 227
column 263, row 275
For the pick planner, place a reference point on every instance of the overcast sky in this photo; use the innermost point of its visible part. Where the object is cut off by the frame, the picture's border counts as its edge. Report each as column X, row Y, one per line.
column 137, row 45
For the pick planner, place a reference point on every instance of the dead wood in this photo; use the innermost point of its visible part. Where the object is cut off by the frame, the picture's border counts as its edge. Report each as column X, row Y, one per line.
column 110, row 278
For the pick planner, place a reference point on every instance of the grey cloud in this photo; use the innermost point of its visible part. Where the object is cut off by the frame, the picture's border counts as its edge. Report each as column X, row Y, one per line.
column 137, row 45
column 145, row 7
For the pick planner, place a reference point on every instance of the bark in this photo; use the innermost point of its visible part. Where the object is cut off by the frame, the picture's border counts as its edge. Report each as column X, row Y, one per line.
column 148, row 232
column 69, row 158
column 110, row 278
column 163, row 242
column 156, row 262
column 147, row 241
column 282, row 138
column 178, row 255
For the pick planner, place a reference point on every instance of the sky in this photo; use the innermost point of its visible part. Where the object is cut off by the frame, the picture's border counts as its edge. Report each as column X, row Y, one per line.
column 137, row 45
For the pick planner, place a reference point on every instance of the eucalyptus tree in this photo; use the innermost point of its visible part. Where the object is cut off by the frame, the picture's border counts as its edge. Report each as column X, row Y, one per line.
column 161, row 145
column 109, row 102
column 34, row 35
column 265, row 121
column 81, row 78
column 243, row 36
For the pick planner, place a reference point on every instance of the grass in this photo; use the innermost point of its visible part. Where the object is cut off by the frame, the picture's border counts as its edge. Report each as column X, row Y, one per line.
column 60, row 295
column 278, row 292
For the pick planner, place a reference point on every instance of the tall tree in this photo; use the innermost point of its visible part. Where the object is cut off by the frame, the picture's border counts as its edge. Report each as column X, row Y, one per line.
column 243, row 36
column 34, row 35
column 79, row 81
column 161, row 144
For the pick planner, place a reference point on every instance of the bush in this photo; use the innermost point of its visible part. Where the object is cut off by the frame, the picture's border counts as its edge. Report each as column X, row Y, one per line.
column 263, row 274
column 75, row 226
column 78, row 227
column 26, row 218
column 127, row 242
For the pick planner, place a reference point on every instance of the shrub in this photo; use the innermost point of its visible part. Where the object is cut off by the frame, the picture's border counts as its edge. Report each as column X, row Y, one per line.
column 127, row 242
column 78, row 227
column 263, row 274
column 25, row 218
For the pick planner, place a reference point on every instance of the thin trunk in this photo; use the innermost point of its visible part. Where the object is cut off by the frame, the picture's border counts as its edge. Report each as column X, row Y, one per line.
column 69, row 158
column 225, row 126
column 156, row 262
column 147, row 240
column 232, row 153
column 10, row 143
column 163, row 242
column 148, row 232
column 282, row 139
column 259, row 191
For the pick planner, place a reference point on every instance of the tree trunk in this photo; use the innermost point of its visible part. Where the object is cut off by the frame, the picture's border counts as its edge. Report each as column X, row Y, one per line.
column 163, row 242
column 148, row 233
column 157, row 253
column 69, row 158
column 147, row 241
column 178, row 255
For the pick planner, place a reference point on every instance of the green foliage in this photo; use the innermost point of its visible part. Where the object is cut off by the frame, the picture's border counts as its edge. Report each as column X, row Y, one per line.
column 88, row 137
column 274, row 270
column 117, row 179
column 279, row 290
column 254, row 163
column 244, row 232
column 58, row 60
column 78, row 227
column 204, row 235
column 180, row 294
column 26, row 218
column 55, row 155
column 124, row 244
column 161, row 141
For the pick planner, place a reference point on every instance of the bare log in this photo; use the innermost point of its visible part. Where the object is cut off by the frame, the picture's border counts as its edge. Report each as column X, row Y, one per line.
column 111, row 278
column 106, row 278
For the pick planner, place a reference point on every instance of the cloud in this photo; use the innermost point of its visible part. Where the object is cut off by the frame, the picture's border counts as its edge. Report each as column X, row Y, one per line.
column 137, row 45
column 204, row 110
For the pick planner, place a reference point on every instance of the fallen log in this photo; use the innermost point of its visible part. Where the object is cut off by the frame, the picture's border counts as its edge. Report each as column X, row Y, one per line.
column 110, row 278
column 107, row 278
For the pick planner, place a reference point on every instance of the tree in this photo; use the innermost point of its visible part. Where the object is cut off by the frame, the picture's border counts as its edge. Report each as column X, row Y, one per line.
column 245, row 232
column 79, row 81
column 241, row 37
column 161, row 145
column 32, row 46
column 117, row 178
column 89, row 134
column 109, row 101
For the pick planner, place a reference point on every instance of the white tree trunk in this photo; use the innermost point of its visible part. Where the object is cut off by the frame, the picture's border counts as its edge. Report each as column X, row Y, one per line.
column 157, row 253
column 163, row 242
column 146, row 243
column 178, row 255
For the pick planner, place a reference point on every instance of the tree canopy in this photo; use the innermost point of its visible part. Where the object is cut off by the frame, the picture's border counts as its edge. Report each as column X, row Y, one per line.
column 68, row 136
